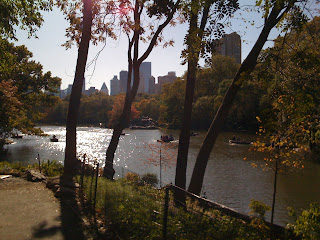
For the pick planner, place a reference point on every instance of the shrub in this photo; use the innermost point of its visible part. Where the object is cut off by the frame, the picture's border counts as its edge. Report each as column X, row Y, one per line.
column 258, row 209
column 150, row 178
column 132, row 178
column 308, row 224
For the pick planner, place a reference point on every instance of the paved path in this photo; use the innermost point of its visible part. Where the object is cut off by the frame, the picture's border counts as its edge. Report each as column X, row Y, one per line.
column 28, row 210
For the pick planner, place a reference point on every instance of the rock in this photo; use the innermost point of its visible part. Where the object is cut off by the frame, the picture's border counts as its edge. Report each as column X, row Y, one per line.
column 64, row 192
column 68, row 181
column 55, row 187
column 35, row 176
column 53, row 182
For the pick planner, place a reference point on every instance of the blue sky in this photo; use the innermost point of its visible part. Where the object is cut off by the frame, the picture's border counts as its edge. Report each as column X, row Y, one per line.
column 48, row 51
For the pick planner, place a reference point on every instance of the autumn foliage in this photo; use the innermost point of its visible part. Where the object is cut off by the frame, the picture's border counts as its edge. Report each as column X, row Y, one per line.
column 115, row 113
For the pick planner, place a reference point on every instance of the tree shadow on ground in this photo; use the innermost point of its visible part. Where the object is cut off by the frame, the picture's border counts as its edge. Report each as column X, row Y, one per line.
column 71, row 224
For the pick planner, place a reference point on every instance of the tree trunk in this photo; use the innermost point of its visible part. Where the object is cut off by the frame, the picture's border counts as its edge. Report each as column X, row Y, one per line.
column 245, row 69
column 184, row 139
column 274, row 190
column 70, row 161
column 123, row 122
column 134, row 65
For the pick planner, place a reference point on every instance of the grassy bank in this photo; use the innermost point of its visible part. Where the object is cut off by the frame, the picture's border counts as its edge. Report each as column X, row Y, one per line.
column 49, row 168
column 128, row 209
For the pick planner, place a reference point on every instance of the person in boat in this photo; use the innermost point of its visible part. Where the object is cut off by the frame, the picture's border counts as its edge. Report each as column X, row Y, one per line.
column 233, row 138
column 54, row 137
column 165, row 138
column 170, row 138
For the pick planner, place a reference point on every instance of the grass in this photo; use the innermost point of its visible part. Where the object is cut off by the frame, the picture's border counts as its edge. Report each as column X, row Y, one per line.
column 131, row 210
column 49, row 168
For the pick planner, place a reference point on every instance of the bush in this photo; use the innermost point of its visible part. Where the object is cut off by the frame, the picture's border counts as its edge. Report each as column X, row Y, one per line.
column 7, row 167
column 150, row 178
column 308, row 224
column 258, row 208
column 51, row 168
column 132, row 178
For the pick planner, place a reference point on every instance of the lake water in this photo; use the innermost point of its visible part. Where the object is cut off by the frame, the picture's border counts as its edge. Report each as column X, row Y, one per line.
column 229, row 179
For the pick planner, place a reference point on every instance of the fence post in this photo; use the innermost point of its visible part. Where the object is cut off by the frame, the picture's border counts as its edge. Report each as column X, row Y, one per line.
column 39, row 162
column 165, row 214
column 95, row 189
column 91, row 183
column 83, row 165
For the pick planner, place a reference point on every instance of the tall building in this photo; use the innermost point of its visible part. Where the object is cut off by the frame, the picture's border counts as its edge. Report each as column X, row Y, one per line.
column 84, row 85
column 123, row 81
column 104, row 89
column 229, row 45
column 152, row 85
column 141, row 87
column 91, row 91
column 169, row 78
column 114, row 86
column 145, row 74
column 69, row 89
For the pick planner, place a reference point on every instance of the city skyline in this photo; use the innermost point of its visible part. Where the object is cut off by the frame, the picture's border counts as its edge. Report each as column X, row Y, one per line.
column 147, row 82
column 48, row 51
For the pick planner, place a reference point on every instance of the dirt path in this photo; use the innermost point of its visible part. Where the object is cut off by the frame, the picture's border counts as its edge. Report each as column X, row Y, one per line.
column 28, row 210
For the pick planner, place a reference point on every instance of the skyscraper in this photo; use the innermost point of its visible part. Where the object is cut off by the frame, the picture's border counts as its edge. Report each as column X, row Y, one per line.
column 84, row 86
column 145, row 74
column 169, row 78
column 123, row 81
column 114, row 86
column 152, row 82
column 104, row 89
column 229, row 45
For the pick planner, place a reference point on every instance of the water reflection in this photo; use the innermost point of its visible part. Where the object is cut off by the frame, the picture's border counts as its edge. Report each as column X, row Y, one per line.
column 229, row 179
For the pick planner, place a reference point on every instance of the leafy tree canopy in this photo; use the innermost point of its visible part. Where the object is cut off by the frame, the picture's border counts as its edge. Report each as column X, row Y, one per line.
column 21, row 13
column 290, row 71
column 24, row 88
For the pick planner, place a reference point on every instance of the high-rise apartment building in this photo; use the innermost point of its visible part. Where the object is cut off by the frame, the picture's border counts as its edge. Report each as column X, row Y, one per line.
column 169, row 78
column 123, row 81
column 229, row 45
column 114, row 86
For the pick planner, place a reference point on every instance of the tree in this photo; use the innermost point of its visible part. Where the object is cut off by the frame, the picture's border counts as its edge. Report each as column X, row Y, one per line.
column 274, row 12
column 70, row 161
column 195, row 45
column 115, row 113
column 93, row 110
column 155, row 9
column 25, row 89
column 172, row 98
column 149, row 107
column 280, row 146
column 296, row 58
column 23, row 14
column 10, row 110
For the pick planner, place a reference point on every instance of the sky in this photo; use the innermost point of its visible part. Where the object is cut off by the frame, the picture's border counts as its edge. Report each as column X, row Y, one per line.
column 48, row 51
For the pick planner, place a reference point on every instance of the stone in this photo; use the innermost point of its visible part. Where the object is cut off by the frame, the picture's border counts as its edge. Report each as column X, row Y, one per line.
column 35, row 176
column 64, row 192
column 53, row 182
